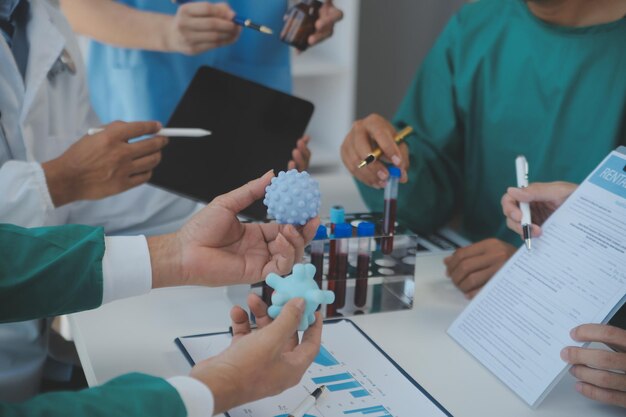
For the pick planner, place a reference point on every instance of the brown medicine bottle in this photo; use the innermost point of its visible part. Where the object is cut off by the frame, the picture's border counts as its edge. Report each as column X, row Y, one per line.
column 300, row 23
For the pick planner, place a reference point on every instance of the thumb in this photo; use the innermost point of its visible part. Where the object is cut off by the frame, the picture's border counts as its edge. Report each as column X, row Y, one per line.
column 242, row 197
column 286, row 324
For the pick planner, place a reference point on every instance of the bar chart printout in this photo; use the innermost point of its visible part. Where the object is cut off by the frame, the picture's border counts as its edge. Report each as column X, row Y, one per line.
column 361, row 381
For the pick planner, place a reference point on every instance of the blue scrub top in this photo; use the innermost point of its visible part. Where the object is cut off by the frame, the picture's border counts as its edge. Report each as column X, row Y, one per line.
column 131, row 84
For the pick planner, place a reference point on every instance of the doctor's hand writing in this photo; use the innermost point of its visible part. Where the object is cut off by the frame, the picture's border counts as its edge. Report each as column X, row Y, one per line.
column 104, row 164
column 262, row 363
column 213, row 248
column 367, row 134
column 200, row 26
column 544, row 199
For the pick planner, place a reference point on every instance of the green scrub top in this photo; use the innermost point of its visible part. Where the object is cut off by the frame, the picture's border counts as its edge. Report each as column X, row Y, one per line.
column 499, row 83
column 49, row 271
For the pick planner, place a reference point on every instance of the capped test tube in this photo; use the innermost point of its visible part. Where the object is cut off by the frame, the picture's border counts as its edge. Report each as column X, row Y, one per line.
column 343, row 231
column 337, row 215
column 391, row 206
column 365, row 232
column 317, row 253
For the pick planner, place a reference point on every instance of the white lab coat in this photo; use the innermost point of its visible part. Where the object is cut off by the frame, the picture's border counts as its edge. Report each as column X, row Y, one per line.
column 38, row 122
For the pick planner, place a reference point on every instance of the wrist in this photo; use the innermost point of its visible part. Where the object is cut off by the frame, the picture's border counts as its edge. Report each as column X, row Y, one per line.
column 166, row 261
column 60, row 183
column 226, row 394
column 167, row 34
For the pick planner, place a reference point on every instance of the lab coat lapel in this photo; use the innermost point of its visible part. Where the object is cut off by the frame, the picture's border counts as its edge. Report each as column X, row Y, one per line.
column 11, row 98
column 46, row 45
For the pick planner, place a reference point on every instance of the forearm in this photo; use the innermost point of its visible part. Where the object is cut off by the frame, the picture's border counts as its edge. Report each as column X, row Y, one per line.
column 132, row 395
column 110, row 22
column 49, row 271
column 59, row 270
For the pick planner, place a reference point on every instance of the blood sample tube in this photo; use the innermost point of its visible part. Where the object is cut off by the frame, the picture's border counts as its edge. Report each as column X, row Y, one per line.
column 391, row 204
column 343, row 231
column 337, row 215
column 317, row 253
column 365, row 232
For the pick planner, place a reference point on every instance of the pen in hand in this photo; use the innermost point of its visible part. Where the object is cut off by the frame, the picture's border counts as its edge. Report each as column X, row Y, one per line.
column 240, row 21
column 376, row 153
column 308, row 402
column 521, row 169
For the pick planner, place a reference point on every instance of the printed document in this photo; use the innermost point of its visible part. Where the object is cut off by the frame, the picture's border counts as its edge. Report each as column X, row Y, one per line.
column 360, row 380
column 574, row 274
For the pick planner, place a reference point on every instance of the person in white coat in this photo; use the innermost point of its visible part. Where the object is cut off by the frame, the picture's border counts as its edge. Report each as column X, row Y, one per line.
column 44, row 109
column 51, row 173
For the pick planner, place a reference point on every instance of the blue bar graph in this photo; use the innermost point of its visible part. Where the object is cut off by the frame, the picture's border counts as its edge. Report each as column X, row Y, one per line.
column 332, row 378
column 287, row 415
column 343, row 386
column 324, row 358
column 369, row 410
column 360, row 393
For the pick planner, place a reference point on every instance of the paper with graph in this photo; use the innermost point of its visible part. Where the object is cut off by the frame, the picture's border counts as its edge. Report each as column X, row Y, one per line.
column 361, row 380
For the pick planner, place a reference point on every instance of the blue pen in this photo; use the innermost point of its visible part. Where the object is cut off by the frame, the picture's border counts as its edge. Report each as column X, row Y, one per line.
column 241, row 21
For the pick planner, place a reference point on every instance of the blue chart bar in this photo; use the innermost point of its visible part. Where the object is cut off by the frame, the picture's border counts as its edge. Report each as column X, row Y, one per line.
column 360, row 393
column 369, row 410
column 287, row 415
column 343, row 386
column 324, row 358
column 332, row 378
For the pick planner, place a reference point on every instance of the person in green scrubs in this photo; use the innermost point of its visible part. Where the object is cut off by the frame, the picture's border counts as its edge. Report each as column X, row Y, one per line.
column 545, row 79
column 50, row 271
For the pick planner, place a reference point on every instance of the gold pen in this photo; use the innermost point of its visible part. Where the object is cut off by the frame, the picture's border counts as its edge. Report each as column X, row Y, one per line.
column 377, row 152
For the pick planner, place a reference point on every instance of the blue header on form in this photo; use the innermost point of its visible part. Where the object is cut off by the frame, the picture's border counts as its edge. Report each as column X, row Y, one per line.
column 611, row 176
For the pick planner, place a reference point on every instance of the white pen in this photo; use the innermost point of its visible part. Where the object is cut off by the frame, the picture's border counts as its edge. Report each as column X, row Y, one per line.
column 308, row 402
column 521, row 169
column 168, row 131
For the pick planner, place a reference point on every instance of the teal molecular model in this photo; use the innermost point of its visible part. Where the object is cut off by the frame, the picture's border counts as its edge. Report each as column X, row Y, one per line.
column 300, row 284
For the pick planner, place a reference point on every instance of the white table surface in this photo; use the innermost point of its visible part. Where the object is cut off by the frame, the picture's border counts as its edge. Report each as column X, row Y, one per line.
column 138, row 334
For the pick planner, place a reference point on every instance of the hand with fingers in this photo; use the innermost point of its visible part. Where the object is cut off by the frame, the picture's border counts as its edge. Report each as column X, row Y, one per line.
column 325, row 24
column 471, row 267
column 300, row 155
column 366, row 135
column 104, row 164
column 601, row 373
column 200, row 26
column 262, row 363
column 544, row 199
column 214, row 248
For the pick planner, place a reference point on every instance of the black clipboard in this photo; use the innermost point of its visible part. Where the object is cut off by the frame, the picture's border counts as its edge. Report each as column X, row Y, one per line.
column 254, row 129
column 326, row 323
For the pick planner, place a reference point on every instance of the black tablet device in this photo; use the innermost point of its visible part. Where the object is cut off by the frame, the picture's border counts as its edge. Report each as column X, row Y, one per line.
column 254, row 129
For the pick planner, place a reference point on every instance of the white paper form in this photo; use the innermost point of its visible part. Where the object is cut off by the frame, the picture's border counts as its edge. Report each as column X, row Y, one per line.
column 361, row 381
column 575, row 274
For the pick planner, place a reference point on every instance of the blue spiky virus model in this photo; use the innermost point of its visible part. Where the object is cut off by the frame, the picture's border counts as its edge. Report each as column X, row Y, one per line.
column 300, row 284
column 292, row 197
